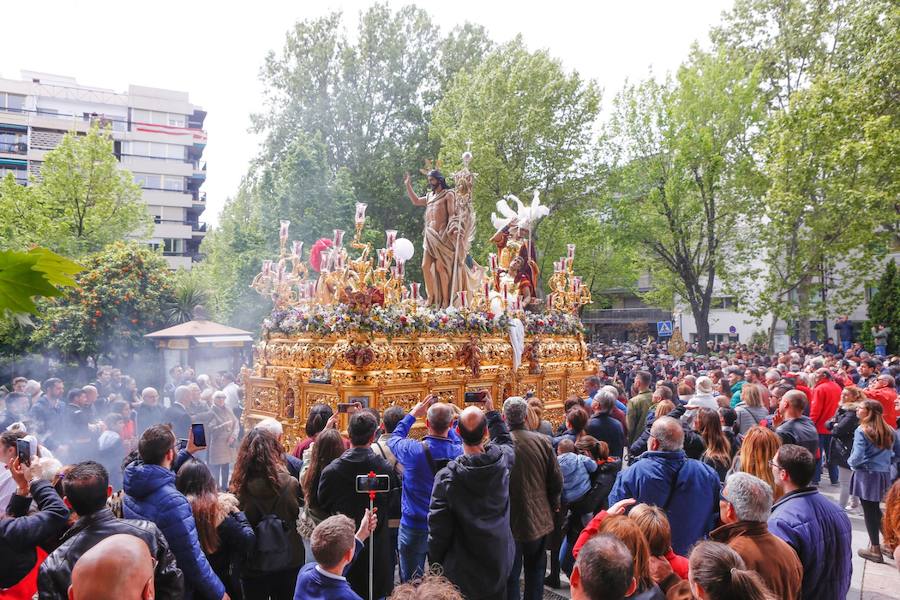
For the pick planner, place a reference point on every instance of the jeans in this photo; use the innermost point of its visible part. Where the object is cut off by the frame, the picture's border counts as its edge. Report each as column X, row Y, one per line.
column 412, row 546
column 307, row 548
column 881, row 350
column 845, row 345
column 534, row 557
column 825, row 459
column 220, row 475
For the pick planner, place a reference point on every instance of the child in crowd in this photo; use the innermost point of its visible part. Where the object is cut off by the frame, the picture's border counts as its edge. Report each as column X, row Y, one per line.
column 334, row 547
column 576, row 470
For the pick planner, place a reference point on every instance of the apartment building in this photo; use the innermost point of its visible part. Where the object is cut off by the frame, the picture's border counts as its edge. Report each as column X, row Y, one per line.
column 158, row 136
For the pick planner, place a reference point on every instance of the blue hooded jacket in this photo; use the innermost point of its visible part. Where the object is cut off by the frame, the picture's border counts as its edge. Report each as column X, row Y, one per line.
column 686, row 489
column 819, row 531
column 151, row 496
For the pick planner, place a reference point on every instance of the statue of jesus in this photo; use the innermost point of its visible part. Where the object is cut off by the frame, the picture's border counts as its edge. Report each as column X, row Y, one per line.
column 448, row 233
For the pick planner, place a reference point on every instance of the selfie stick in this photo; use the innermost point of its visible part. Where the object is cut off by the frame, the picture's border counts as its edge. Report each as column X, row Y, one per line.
column 371, row 542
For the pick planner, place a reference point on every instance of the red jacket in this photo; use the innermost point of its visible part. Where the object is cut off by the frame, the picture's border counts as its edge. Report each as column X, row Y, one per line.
column 887, row 396
column 825, row 401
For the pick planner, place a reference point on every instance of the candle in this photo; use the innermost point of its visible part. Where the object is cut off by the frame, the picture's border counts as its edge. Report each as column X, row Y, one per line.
column 297, row 248
column 570, row 251
column 493, row 260
column 414, row 289
column 395, row 273
column 338, row 238
column 405, row 293
column 463, row 298
column 267, row 267
column 360, row 213
column 326, row 260
column 505, row 291
column 487, row 289
column 283, row 231
column 401, row 267
column 391, row 235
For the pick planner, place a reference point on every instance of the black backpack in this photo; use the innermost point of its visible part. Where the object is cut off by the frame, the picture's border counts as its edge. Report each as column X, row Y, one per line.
column 272, row 546
column 434, row 465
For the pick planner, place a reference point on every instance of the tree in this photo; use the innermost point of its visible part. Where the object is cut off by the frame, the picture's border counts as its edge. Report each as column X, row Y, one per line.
column 26, row 275
column 119, row 297
column 81, row 202
column 884, row 307
column 188, row 293
column 683, row 176
column 530, row 127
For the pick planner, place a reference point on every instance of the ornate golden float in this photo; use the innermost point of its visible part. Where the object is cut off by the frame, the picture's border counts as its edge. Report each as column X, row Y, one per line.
column 357, row 332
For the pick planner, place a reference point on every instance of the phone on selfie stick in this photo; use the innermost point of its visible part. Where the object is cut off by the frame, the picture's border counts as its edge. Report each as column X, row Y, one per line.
column 372, row 484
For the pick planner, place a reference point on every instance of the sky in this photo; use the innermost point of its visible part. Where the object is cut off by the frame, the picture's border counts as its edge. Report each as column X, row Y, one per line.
column 214, row 49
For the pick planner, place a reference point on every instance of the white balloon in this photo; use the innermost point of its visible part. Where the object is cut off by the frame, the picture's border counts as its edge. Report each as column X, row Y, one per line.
column 403, row 249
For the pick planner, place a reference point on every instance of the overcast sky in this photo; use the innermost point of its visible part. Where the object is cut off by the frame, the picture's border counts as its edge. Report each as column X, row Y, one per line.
column 214, row 49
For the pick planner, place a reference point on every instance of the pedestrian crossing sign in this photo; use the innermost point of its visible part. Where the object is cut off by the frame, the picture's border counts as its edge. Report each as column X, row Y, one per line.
column 664, row 328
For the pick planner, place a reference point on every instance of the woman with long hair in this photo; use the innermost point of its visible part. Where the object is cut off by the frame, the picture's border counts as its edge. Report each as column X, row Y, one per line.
column 717, row 572
column 628, row 532
column 316, row 420
column 225, row 535
column 328, row 447
column 718, row 450
column 269, row 496
column 870, row 461
column 751, row 409
column 843, row 426
column 759, row 447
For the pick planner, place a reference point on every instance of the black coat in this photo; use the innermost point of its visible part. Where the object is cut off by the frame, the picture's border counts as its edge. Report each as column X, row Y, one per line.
column 55, row 574
column 180, row 419
column 607, row 429
column 20, row 536
column 337, row 494
column 845, row 424
column 236, row 542
column 147, row 415
column 468, row 521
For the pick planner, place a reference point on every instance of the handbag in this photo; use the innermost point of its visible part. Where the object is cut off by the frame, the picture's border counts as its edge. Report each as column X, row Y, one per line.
column 305, row 523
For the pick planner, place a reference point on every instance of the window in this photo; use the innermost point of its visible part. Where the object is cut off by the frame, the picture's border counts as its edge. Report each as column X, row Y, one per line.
column 19, row 172
column 154, row 150
column 176, row 120
column 173, row 245
column 723, row 303
column 152, row 181
column 156, row 117
column 13, row 141
column 12, row 102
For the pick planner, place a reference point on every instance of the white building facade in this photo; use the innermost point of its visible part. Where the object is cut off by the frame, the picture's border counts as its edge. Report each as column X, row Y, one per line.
column 158, row 136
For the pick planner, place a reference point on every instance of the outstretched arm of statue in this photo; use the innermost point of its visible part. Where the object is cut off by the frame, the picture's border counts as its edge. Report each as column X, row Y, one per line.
column 413, row 197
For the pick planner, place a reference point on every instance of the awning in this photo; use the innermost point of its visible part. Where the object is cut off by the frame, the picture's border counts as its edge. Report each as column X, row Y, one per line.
column 13, row 161
column 12, row 126
column 223, row 338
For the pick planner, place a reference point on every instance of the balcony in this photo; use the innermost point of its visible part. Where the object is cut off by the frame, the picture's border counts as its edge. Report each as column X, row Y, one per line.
column 611, row 316
column 199, row 171
column 13, row 148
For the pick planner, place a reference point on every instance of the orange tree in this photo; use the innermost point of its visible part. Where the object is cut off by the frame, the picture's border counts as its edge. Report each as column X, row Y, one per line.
column 120, row 295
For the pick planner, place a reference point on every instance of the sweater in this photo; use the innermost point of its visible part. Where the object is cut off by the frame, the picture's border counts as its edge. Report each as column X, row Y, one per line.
column 314, row 583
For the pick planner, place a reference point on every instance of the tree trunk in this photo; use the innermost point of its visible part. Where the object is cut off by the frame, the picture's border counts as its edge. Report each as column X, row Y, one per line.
column 772, row 328
column 824, row 292
column 803, row 311
column 701, row 320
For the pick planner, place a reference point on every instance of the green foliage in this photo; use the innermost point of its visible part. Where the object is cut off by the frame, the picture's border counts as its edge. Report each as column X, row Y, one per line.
column 189, row 292
column 119, row 297
column 81, row 202
column 683, row 176
column 884, row 307
column 25, row 275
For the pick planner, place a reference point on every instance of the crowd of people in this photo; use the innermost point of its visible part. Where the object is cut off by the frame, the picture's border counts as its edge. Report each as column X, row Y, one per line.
column 696, row 477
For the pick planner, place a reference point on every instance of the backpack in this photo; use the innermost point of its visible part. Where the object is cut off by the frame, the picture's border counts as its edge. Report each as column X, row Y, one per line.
column 271, row 553
column 434, row 465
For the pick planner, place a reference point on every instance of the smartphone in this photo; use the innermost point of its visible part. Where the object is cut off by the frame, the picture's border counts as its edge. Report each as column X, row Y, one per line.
column 23, row 449
column 475, row 397
column 181, row 444
column 344, row 407
column 199, row 433
column 379, row 484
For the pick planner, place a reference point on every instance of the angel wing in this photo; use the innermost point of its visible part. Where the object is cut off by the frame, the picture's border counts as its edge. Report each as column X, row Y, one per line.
column 507, row 214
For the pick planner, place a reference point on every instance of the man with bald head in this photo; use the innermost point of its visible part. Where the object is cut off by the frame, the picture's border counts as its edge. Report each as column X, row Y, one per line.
column 420, row 462
column 118, row 568
column 686, row 489
column 469, row 530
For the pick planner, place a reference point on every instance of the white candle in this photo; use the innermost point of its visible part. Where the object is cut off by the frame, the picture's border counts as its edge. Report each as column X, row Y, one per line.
column 493, row 260
column 267, row 267
column 283, row 231
column 391, row 235
column 360, row 213
column 395, row 273
column 463, row 298
column 401, row 267
column 338, row 238
column 570, row 251
column 487, row 289
column 414, row 288
column 298, row 248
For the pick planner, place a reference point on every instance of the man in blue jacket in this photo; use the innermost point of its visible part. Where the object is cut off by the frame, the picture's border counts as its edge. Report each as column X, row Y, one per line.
column 421, row 461
column 815, row 527
column 151, row 495
column 686, row 489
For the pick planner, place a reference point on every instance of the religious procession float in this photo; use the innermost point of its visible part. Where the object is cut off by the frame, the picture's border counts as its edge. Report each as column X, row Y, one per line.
column 348, row 327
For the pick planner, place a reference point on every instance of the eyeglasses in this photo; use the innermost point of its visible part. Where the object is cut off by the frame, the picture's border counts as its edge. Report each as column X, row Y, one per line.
column 775, row 465
column 722, row 496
